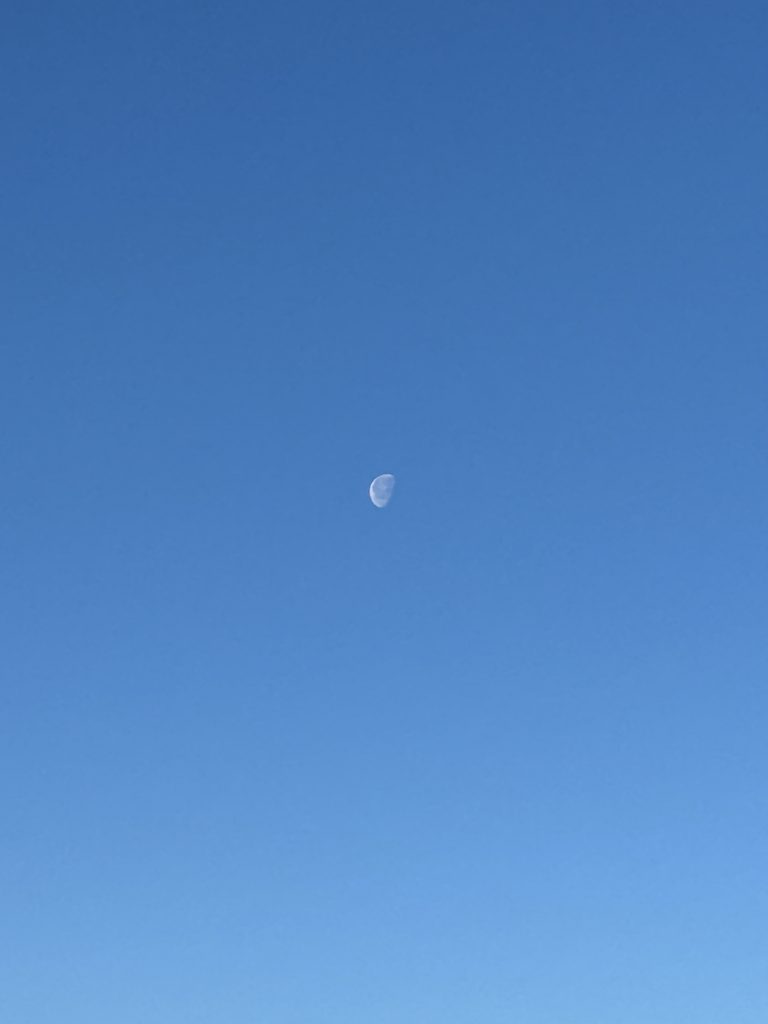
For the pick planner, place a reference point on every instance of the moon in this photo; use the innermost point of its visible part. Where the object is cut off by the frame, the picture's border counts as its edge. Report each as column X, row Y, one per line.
column 381, row 489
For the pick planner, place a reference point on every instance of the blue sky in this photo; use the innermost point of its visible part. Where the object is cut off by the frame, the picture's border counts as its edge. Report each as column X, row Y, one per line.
column 496, row 752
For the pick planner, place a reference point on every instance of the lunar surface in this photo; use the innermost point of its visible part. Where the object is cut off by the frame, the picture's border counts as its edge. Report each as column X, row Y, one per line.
column 381, row 489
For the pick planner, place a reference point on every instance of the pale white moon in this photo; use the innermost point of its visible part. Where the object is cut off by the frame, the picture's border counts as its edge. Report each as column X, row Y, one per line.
column 381, row 489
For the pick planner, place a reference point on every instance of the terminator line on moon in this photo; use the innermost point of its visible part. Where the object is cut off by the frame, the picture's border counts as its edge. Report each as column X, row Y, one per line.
column 381, row 489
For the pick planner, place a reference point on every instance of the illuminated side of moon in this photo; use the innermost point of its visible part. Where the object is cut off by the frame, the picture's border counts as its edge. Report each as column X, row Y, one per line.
column 381, row 489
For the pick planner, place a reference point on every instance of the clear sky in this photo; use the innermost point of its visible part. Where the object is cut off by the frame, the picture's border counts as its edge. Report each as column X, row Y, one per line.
column 497, row 752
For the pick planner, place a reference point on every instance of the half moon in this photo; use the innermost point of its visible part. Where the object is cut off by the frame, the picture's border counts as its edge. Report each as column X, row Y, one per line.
column 381, row 489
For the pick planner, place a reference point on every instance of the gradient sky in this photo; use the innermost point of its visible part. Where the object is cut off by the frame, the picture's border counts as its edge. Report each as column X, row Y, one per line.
column 496, row 753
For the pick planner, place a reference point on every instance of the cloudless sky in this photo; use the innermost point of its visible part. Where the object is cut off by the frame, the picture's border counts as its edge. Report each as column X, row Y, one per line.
column 496, row 753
